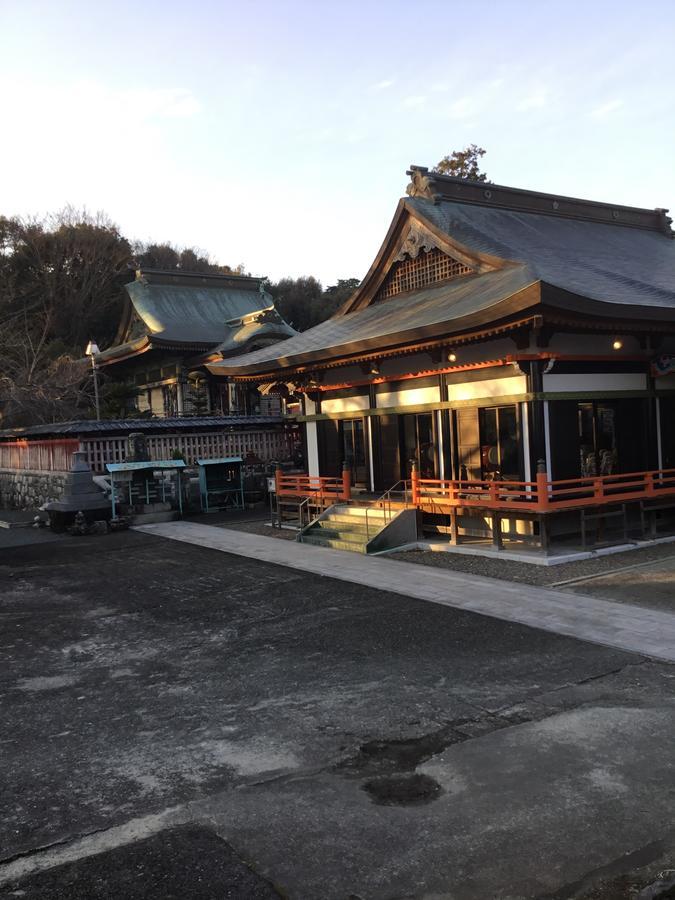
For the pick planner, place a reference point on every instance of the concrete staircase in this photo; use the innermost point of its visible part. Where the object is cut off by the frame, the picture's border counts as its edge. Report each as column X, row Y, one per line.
column 344, row 527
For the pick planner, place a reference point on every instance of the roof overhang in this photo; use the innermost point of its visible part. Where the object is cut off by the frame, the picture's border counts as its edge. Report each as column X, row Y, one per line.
column 499, row 318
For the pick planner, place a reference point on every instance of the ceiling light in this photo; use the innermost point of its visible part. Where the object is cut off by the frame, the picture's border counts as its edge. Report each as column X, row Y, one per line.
column 452, row 356
column 374, row 369
column 617, row 345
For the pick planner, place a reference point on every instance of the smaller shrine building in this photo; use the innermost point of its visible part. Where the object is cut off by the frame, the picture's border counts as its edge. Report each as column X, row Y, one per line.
column 174, row 322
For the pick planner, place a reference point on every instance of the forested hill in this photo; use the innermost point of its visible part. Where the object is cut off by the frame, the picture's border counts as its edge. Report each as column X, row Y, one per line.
column 61, row 284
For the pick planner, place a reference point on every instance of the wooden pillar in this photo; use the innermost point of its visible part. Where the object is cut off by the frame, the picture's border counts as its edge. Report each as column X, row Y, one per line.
column 376, row 442
column 653, row 460
column 346, row 481
column 444, row 416
column 537, row 421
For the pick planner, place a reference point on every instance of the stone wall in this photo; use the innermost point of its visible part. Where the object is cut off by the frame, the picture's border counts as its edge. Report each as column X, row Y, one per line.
column 29, row 489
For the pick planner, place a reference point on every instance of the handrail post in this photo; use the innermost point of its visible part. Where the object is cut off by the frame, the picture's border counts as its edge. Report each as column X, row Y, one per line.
column 542, row 485
column 277, row 480
column 346, row 481
column 649, row 483
column 415, row 484
column 598, row 491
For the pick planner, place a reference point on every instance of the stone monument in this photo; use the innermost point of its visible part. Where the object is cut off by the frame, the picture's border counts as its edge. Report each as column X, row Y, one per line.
column 80, row 494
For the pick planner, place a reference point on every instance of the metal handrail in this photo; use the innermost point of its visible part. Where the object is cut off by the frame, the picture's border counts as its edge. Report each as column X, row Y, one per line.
column 305, row 503
column 386, row 499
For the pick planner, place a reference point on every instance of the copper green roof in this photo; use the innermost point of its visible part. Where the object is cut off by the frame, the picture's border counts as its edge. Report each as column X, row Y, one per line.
column 195, row 311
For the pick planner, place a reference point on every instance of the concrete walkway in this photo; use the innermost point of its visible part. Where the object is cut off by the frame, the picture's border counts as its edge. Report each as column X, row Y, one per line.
column 645, row 631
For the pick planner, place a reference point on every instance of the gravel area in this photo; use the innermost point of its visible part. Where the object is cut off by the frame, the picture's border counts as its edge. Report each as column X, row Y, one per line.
column 260, row 527
column 252, row 521
column 529, row 573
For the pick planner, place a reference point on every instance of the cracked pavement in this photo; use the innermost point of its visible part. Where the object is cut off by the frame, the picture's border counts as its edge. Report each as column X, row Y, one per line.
column 149, row 684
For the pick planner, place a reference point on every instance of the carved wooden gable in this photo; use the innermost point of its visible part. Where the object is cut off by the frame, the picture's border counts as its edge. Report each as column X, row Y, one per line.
column 136, row 327
column 420, row 263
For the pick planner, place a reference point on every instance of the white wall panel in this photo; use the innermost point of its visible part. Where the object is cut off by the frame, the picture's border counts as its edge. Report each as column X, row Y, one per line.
column 344, row 404
column 491, row 387
column 408, row 397
column 612, row 381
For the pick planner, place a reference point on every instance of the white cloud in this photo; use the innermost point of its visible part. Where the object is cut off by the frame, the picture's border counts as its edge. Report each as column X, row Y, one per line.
column 89, row 144
column 461, row 108
column 606, row 109
column 382, row 85
column 537, row 99
column 413, row 102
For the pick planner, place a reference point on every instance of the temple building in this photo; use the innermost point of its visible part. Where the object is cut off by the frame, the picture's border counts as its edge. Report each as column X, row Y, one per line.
column 173, row 323
column 499, row 332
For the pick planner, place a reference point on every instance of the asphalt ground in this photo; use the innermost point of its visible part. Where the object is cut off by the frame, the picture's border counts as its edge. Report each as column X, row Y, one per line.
column 331, row 739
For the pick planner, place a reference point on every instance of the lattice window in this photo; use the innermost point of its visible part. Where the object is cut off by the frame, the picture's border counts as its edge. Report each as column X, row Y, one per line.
column 425, row 269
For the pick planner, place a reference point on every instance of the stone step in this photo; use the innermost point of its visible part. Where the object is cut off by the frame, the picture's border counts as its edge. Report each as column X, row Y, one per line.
column 379, row 520
column 372, row 528
column 335, row 544
column 334, row 534
column 357, row 511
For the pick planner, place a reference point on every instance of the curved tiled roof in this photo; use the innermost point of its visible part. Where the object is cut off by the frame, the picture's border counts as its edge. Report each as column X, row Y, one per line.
column 605, row 262
column 387, row 323
column 608, row 261
column 198, row 311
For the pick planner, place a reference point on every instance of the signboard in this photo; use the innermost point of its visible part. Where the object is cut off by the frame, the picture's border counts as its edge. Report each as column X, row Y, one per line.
column 663, row 365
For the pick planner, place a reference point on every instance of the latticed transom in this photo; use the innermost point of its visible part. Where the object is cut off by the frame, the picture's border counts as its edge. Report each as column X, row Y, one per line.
column 425, row 269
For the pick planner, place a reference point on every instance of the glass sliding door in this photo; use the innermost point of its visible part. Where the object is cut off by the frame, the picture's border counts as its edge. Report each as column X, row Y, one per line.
column 488, row 445
column 612, row 437
column 354, row 449
column 500, row 445
column 418, row 444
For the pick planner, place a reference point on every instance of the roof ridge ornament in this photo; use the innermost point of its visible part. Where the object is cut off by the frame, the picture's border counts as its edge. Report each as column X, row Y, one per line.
column 421, row 184
column 665, row 220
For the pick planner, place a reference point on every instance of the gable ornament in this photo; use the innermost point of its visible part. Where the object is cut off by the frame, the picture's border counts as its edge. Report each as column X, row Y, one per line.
column 414, row 243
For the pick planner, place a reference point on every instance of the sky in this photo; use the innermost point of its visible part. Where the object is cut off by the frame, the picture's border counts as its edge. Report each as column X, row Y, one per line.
column 278, row 134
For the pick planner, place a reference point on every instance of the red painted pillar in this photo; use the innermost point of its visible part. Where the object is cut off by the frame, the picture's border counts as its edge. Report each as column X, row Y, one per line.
column 649, row 484
column 277, row 480
column 415, row 484
column 542, row 485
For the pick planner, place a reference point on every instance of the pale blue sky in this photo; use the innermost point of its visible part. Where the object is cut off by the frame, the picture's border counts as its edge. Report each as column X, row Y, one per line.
column 278, row 134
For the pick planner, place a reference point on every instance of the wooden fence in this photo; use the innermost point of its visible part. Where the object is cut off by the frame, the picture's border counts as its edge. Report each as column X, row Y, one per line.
column 265, row 445
column 41, row 456
column 56, row 455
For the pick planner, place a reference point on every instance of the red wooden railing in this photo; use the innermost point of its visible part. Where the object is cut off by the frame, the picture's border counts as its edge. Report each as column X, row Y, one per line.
column 43, row 456
column 542, row 495
column 316, row 486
